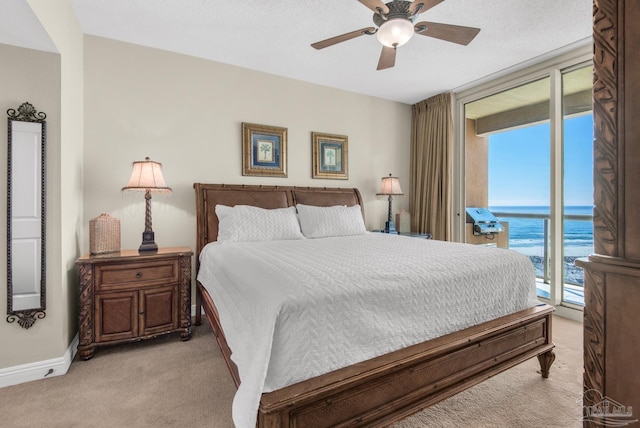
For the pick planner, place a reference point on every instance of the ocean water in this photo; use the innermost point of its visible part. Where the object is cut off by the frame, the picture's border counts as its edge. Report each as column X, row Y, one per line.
column 527, row 236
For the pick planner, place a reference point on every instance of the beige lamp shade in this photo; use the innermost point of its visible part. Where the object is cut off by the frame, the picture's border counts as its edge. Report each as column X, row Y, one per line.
column 147, row 175
column 390, row 186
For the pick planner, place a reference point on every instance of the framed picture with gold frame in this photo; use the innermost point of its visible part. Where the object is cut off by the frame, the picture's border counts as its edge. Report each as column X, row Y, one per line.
column 330, row 156
column 264, row 150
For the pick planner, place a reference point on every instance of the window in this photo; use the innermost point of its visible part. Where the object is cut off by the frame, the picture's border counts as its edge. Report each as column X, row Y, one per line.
column 577, row 185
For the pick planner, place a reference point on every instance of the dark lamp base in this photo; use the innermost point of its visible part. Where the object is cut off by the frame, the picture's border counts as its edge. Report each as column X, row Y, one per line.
column 148, row 243
column 389, row 227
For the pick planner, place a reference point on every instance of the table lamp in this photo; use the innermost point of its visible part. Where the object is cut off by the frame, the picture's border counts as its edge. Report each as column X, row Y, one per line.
column 390, row 186
column 147, row 177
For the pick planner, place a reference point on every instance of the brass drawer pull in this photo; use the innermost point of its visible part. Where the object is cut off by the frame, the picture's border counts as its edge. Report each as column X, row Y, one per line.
column 139, row 275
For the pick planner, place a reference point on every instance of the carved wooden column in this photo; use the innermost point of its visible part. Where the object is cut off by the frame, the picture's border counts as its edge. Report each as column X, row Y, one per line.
column 612, row 274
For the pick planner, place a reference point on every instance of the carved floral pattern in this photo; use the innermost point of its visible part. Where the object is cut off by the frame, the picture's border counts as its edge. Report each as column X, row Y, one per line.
column 86, row 316
column 605, row 117
column 185, row 297
column 607, row 148
column 594, row 317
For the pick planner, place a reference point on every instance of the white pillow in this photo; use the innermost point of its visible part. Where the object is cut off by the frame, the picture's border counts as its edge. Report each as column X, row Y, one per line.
column 222, row 211
column 339, row 220
column 247, row 223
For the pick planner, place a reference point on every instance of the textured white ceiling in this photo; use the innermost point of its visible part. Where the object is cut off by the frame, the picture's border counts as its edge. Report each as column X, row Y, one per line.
column 20, row 27
column 274, row 36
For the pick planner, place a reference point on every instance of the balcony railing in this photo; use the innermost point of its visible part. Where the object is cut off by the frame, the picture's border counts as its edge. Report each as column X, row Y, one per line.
column 545, row 245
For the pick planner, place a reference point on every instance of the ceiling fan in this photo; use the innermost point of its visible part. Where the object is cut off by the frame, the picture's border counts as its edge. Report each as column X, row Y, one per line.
column 395, row 27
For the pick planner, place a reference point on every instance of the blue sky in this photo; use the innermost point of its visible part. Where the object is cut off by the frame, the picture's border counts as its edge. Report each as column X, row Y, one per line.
column 519, row 164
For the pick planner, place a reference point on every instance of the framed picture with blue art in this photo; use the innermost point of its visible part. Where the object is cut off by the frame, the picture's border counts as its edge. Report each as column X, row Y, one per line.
column 330, row 156
column 264, row 150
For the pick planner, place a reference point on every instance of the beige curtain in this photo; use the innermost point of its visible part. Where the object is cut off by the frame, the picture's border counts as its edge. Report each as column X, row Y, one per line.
column 431, row 152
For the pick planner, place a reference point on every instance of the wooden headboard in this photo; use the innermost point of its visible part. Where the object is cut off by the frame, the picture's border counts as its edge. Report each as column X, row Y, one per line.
column 269, row 197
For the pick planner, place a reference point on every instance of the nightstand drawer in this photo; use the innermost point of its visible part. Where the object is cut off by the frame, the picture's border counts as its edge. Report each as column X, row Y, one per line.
column 111, row 277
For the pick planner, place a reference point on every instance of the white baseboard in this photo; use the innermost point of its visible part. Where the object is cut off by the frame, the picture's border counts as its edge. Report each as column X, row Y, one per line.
column 40, row 369
column 572, row 314
column 47, row 368
column 193, row 310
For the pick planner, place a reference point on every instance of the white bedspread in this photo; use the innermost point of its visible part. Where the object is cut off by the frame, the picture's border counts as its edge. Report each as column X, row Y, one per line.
column 292, row 310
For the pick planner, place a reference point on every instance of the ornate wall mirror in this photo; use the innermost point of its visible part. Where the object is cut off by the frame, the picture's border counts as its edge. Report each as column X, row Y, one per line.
column 26, row 215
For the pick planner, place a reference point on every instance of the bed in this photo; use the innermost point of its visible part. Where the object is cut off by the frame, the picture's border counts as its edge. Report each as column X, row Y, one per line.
column 387, row 387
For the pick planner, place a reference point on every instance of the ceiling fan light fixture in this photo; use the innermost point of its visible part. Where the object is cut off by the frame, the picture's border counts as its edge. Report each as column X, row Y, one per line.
column 394, row 26
column 395, row 32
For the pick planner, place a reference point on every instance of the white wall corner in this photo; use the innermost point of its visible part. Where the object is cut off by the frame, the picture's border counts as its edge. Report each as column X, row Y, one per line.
column 193, row 310
column 39, row 369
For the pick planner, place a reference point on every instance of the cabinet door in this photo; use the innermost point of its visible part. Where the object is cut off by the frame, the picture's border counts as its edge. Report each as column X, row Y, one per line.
column 116, row 316
column 158, row 309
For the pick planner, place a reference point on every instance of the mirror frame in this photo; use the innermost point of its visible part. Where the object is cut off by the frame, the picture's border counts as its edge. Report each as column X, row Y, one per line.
column 27, row 317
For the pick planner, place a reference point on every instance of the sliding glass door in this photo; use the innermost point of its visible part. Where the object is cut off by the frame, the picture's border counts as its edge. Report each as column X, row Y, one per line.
column 527, row 155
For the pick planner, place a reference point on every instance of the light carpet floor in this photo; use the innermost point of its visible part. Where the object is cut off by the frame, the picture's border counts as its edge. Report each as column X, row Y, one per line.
column 166, row 382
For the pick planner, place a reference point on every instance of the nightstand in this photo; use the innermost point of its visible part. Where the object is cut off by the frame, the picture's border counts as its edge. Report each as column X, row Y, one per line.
column 416, row 235
column 410, row 234
column 130, row 296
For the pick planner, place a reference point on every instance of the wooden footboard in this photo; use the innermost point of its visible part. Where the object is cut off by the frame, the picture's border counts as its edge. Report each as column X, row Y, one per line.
column 390, row 387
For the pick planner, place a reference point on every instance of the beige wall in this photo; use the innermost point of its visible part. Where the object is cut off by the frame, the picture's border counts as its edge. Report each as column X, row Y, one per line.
column 59, row 20
column 110, row 103
column 33, row 76
column 53, row 83
column 187, row 112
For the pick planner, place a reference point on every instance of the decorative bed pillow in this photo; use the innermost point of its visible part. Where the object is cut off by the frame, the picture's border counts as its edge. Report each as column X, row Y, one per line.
column 222, row 211
column 247, row 223
column 322, row 222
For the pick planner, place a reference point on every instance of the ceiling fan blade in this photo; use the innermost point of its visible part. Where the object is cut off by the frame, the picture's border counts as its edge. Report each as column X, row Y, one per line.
column 343, row 37
column 387, row 58
column 451, row 33
column 421, row 6
column 376, row 6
